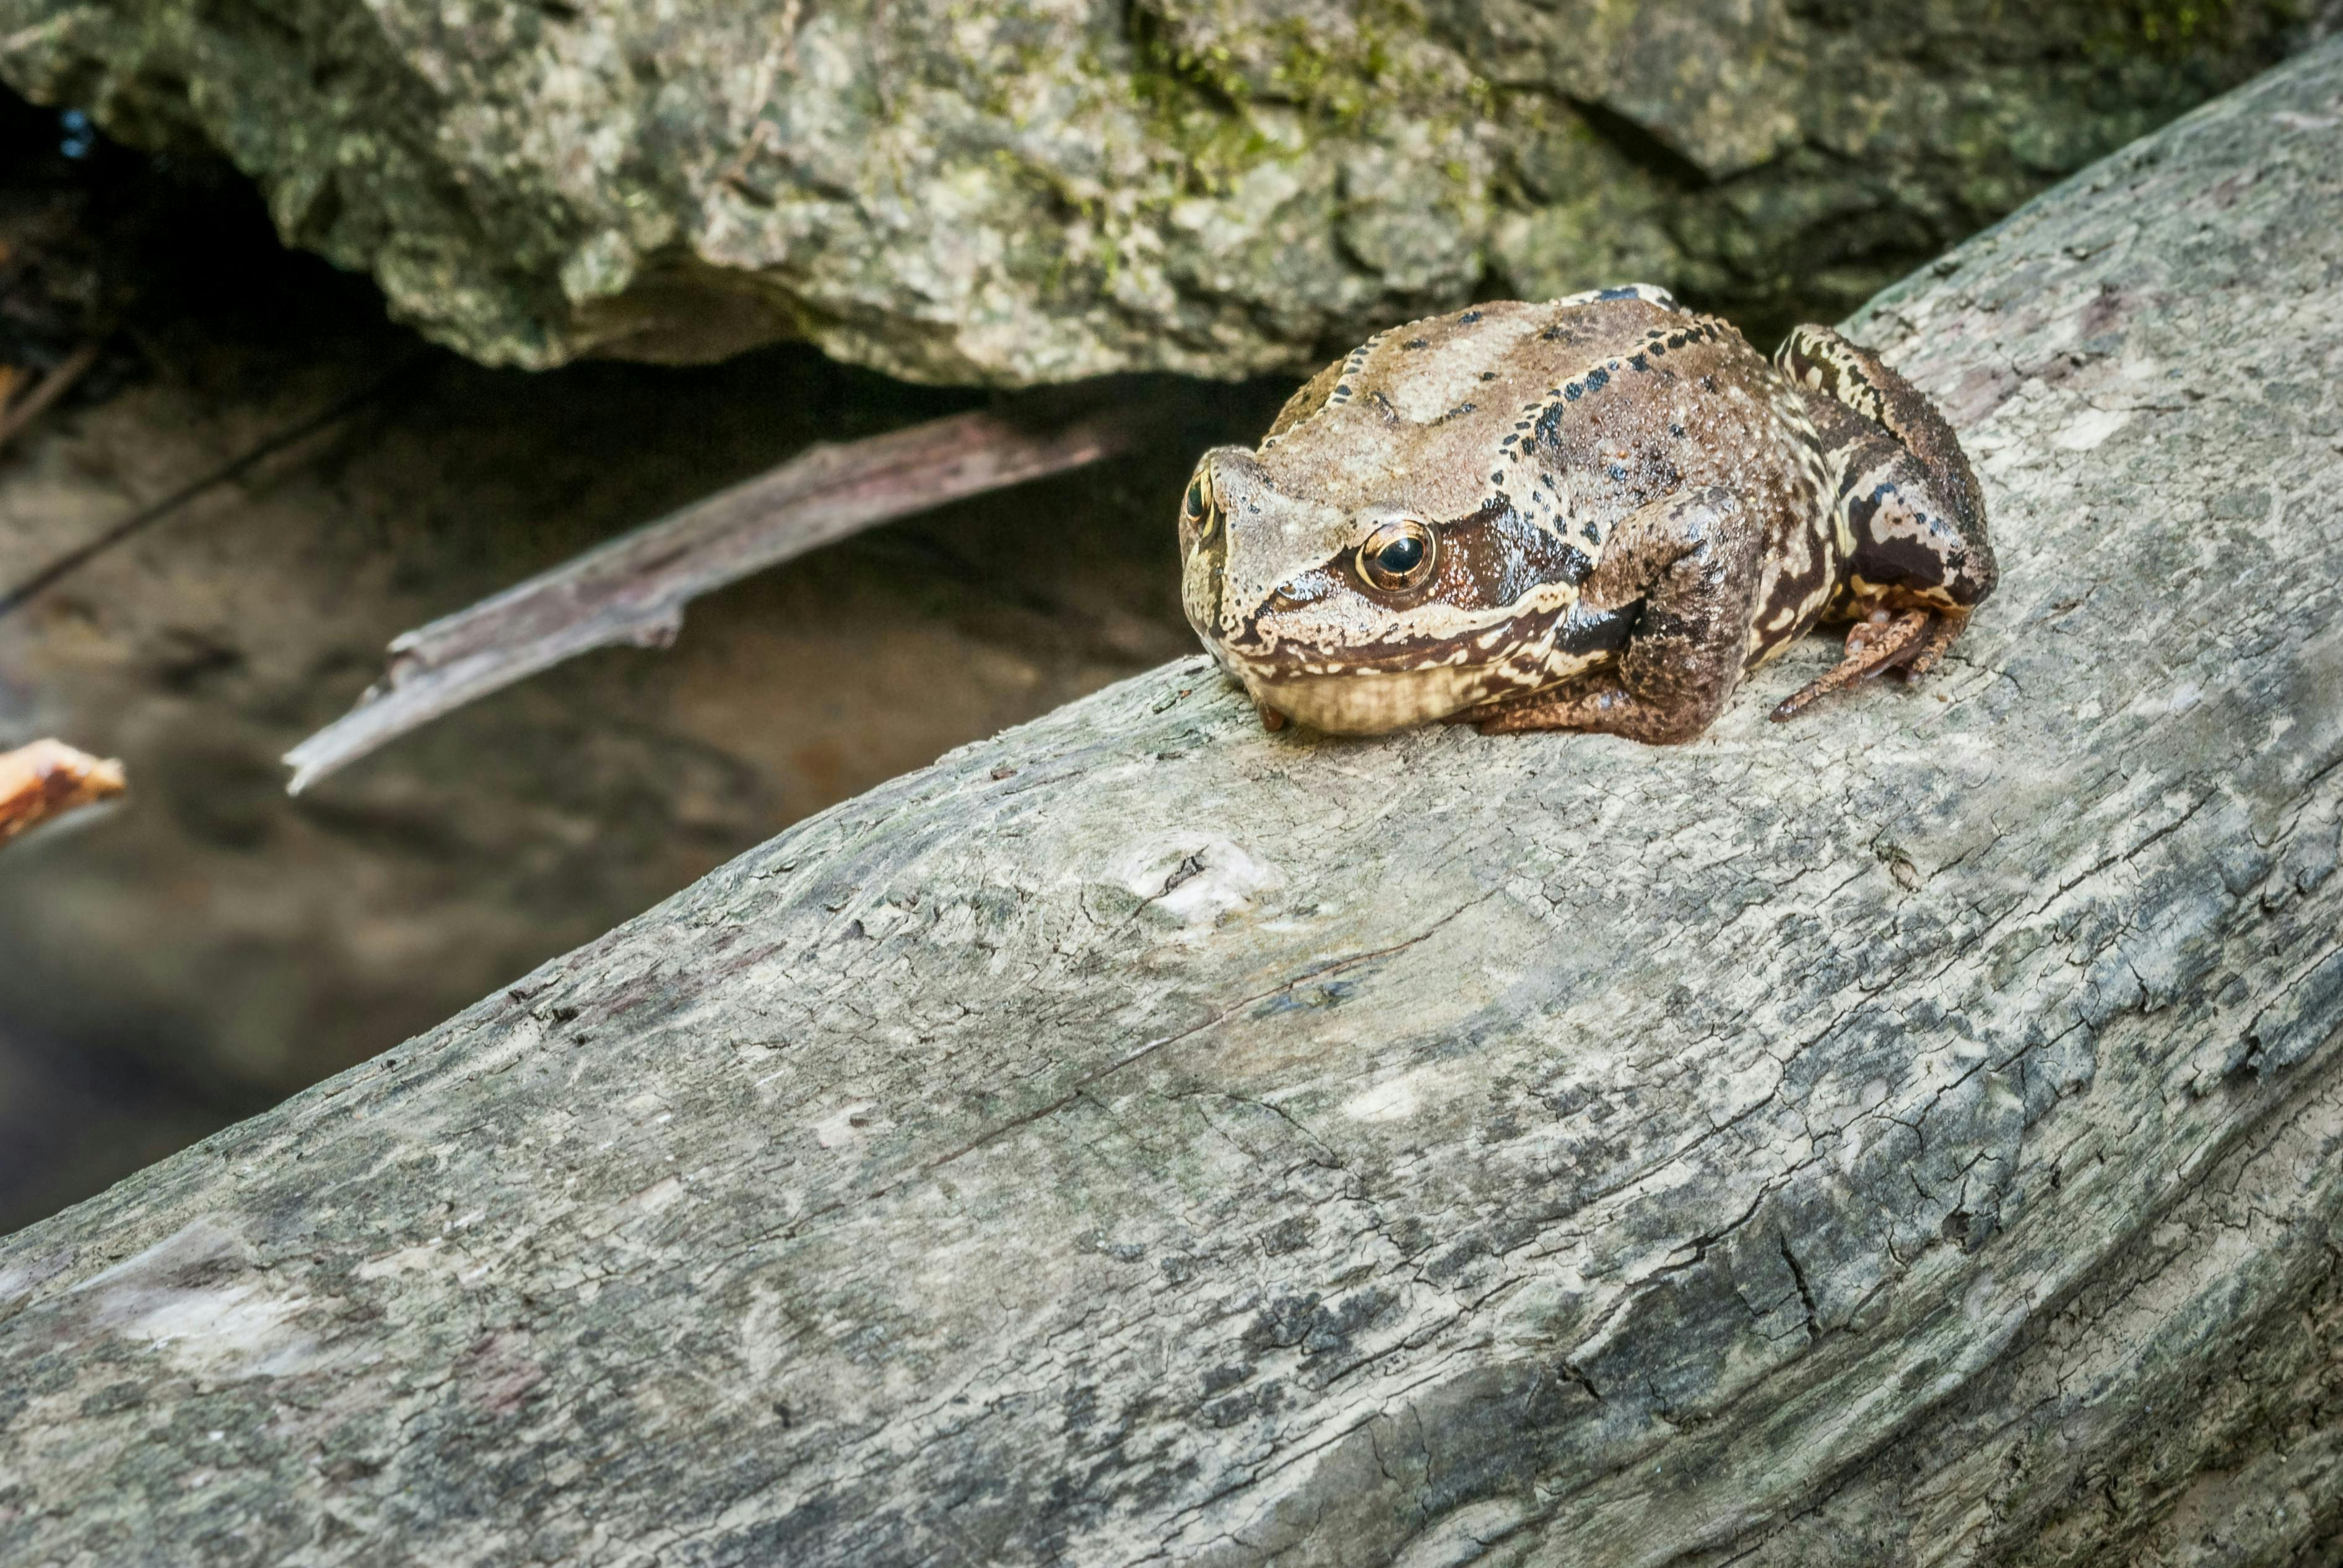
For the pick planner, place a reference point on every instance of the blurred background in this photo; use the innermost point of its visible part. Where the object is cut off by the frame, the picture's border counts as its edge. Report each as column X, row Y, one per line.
column 210, row 945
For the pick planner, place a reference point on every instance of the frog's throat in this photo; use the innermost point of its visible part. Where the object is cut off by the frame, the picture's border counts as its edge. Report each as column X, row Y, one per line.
column 1370, row 704
column 1369, row 701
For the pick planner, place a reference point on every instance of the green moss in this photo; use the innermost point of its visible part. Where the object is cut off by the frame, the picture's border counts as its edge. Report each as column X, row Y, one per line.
column 2167, row 29
column 1203, row 103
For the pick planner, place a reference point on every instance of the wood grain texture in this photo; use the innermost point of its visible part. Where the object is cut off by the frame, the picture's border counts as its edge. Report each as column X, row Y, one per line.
column 1908, row 1136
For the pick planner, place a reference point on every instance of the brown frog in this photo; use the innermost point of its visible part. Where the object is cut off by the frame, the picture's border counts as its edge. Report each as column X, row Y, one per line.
column 1597, row 513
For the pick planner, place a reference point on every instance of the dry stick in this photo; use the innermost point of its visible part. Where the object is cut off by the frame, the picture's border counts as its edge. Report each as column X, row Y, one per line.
column 47, row 780
column 146, row 517
column 633, row 589
column 49, row 389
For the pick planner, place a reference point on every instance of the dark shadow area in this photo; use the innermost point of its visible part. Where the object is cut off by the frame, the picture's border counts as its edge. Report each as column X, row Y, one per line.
column 211, row 946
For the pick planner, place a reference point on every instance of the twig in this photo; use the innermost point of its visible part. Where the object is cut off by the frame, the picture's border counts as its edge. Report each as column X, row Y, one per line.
column 146, row 517
column 47, row 780
column 48, row 390
column 633, row 589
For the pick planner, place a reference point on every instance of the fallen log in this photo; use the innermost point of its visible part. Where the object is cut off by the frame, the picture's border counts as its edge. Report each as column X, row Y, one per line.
column 1907, row 1136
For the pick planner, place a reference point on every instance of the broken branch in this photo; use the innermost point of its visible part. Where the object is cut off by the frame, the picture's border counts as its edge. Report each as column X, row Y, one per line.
column 48, row 390
column 49, row 779
column 633, row 589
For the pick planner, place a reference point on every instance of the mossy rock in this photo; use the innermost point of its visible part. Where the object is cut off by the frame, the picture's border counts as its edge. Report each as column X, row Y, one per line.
column 1020, row 191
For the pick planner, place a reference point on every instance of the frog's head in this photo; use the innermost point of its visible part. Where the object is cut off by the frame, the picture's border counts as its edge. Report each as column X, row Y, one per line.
column 1392, row 553
column 1360, row 609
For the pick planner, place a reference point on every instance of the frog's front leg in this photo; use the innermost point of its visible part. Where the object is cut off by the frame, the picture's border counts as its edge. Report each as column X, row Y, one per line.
column 1693, row 560
column 1911, row 639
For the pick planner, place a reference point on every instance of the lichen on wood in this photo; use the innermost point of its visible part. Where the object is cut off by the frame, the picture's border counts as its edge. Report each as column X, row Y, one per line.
column 1908, row 1136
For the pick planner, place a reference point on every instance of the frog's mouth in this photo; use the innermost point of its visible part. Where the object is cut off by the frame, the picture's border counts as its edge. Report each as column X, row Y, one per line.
column 1368, row 691
column 1417, row 675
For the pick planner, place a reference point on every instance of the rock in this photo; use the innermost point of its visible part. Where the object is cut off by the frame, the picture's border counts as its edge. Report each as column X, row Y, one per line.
column 1048, row 189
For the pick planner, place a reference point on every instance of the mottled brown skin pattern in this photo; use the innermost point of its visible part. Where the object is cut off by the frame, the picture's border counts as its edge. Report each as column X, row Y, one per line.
column 1597, row 513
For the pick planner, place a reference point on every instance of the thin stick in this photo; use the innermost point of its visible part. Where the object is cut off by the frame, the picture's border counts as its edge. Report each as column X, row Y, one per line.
column 48, row 390
column 146, row 517
column 633, row 589
column 47, row 780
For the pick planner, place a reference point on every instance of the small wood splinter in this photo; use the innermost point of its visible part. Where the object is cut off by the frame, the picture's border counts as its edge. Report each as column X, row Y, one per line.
column 1914, row 638
column 48, row 779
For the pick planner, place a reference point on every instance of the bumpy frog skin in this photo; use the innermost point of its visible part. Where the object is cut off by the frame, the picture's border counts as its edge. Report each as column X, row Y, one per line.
column 1592, row 514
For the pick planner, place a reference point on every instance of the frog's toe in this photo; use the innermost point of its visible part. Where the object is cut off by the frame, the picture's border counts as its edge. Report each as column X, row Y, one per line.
column 1886, row 641
column 1944, row 627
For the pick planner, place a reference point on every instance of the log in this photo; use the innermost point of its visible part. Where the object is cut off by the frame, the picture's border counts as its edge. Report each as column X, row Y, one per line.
column 1905, row 1136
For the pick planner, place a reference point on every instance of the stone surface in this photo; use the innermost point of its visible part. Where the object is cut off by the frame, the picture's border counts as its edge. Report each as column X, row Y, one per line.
column 1907, row 1137
column 1046, row 190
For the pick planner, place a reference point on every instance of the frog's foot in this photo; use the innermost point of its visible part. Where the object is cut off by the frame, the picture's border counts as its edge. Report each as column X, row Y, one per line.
column 1943, row 626
column 1599, row 702
column 1913, row 639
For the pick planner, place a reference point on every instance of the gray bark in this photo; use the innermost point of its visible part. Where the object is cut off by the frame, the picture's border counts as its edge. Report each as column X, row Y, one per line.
column 1905, row 1137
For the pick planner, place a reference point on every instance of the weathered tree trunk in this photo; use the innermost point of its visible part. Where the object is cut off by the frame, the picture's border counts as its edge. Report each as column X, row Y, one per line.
column 1905, row 1136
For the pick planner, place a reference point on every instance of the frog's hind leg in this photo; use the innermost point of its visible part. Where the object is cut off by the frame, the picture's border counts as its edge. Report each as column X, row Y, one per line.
column 1912, row 458
column 1912, row 640
column 1693, row 561
column 1909, row 518
column 1820, row 360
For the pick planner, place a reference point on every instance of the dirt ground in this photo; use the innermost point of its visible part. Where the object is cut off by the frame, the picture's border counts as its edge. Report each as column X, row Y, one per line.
column 212, row 945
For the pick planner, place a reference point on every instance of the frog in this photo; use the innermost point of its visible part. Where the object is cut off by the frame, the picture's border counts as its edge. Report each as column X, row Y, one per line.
column 1597, row 513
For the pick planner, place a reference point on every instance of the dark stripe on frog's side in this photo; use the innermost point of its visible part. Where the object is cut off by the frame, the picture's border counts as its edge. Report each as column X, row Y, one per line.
column 1585, row 629
column 1802, row 590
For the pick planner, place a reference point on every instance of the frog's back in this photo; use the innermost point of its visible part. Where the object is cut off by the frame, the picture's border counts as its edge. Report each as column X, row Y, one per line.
column 1481, row 387
column 1574, row 414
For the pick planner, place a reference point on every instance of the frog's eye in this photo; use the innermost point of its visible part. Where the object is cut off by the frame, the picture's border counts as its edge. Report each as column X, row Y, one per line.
column 1200, row 507
column 1399, row 555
